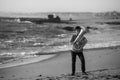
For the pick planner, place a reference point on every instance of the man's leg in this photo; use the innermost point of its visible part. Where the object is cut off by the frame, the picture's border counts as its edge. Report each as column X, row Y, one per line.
column 81, row 56
column 73, row 54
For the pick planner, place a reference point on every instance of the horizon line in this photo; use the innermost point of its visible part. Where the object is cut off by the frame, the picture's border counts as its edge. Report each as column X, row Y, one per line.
column 62, row 12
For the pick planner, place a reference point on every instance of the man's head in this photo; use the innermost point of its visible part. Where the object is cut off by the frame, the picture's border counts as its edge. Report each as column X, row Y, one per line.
column 78, row 29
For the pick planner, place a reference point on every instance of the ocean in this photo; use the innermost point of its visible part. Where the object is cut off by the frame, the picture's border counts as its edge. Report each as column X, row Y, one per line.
column 26, row 40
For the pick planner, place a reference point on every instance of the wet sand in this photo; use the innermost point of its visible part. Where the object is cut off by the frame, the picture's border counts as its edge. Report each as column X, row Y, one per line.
column 96, row 59
column 24, row 61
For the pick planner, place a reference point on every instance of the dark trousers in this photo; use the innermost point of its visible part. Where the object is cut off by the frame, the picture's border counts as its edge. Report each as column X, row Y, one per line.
column 81, row 57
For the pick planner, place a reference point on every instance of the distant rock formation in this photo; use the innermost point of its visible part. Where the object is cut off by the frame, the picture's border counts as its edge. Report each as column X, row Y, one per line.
column 68, row 28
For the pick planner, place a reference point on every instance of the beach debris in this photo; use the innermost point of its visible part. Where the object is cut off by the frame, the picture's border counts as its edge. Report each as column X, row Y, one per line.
column 116, row 76
column 1, row 77
column 40, row 75
column 39, row 79
column 13, row 75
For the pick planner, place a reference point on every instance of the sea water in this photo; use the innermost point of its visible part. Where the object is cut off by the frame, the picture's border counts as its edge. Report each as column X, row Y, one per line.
column 17, row 48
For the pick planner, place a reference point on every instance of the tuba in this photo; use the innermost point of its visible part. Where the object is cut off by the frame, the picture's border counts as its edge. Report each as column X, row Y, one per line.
column 80, row 41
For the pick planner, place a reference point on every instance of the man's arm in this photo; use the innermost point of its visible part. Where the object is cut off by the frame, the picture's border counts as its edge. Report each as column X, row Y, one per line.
column 72, row 39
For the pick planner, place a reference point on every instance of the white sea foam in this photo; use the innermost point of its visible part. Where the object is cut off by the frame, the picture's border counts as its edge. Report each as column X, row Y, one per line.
column 88, row 46
column 102, row 44
column 53, row 49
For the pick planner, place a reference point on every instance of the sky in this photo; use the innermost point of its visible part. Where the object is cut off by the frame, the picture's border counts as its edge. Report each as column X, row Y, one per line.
column 59, row 5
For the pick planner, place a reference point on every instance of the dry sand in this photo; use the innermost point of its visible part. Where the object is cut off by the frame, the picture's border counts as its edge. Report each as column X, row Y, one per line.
column 101, row 64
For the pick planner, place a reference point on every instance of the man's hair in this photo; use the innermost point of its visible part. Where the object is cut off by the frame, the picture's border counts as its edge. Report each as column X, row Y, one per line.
column 77, row 27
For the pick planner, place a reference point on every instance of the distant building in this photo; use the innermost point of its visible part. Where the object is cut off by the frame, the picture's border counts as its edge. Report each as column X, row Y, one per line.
column 52, row 18
column 70, row 19
column 57, row 19
column 109, row 15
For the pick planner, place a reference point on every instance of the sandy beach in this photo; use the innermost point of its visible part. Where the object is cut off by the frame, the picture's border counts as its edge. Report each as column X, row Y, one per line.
column 105, row 61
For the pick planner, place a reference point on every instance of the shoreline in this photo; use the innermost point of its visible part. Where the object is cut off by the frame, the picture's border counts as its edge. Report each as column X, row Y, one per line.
column 42, row 57
column 26, row 61
column 45, row 56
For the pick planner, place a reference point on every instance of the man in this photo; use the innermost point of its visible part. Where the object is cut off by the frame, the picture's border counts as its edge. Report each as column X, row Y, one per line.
column 78, row 52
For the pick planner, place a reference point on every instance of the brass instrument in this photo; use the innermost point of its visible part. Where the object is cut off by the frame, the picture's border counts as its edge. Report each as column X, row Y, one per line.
column 80, row 41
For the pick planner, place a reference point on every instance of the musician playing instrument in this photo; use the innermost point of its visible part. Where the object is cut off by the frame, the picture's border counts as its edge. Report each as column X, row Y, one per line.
column 78, row 41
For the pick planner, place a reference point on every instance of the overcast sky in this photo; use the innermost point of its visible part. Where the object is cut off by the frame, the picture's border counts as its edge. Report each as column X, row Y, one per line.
column 59, row 5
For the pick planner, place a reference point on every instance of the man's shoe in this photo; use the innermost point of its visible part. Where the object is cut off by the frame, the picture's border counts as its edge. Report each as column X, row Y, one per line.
column 84, row 73
column 72, row 74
